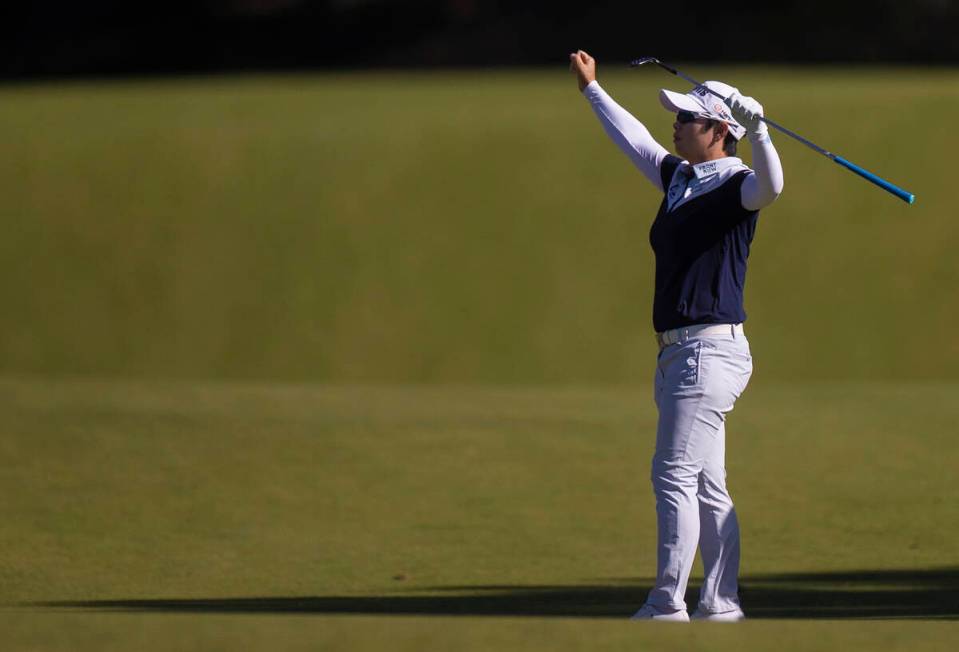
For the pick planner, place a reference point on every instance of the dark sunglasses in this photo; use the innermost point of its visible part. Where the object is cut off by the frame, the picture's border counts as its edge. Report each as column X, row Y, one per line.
column 684, row 117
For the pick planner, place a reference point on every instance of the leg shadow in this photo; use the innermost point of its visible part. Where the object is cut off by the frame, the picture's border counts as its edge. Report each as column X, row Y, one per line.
column 914, row 594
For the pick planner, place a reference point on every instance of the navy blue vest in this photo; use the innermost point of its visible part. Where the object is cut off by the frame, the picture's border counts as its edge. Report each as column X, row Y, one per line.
column 701, row 248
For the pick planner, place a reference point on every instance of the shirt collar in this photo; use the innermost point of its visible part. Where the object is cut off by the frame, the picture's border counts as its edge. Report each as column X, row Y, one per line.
column 710, row 168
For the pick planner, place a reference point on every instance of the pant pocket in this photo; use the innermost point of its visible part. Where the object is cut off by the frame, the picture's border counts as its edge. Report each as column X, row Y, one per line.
column 690, row 366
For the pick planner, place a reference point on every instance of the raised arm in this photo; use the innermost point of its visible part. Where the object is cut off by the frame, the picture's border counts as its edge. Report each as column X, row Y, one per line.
column 627, row 132
column 766, row 183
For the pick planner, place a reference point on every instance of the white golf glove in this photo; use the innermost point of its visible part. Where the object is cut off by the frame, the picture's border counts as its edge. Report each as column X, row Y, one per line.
column 747, row 112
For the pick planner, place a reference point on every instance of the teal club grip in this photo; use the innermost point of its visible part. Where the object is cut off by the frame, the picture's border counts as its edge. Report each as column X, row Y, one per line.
column 904, row 195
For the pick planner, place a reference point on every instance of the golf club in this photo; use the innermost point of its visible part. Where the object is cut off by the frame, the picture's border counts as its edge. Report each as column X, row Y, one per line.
column 866, row 174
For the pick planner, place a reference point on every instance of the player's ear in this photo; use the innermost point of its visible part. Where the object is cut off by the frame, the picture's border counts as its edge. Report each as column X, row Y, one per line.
column 719, row 133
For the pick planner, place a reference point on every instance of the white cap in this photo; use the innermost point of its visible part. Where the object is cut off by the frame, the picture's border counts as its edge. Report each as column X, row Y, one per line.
column 704, row 104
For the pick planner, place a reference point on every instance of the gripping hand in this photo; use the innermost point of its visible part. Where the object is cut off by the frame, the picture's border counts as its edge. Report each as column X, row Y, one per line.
column 747, row 112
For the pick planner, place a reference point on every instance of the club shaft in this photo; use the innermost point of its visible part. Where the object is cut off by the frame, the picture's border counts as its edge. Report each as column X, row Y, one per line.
column 904, row 195
column 788, row 132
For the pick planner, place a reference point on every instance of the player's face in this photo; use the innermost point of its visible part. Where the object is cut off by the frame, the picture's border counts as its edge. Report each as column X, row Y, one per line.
column 692, row 137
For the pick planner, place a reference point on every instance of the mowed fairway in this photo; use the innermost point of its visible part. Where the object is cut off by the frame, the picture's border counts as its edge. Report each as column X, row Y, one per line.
column 206, row 511
column 361, row 361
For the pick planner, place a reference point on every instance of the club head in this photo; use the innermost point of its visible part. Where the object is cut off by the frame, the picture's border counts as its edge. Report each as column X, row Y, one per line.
column 639, row 62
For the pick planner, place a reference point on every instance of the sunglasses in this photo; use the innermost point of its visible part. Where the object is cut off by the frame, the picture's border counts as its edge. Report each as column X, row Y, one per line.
column 684, row 117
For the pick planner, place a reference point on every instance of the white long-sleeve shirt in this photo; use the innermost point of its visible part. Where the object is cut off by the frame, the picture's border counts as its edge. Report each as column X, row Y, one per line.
column 760, row 187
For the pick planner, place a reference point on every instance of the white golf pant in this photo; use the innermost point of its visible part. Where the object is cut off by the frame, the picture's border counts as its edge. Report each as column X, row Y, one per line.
column 698, row 380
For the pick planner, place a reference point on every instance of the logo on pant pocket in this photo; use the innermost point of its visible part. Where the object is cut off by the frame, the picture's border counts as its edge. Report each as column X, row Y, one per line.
column 690, row 366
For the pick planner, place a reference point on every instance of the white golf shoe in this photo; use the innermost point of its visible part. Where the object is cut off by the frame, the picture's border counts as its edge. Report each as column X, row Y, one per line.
column 648, row 612
column 733, row 616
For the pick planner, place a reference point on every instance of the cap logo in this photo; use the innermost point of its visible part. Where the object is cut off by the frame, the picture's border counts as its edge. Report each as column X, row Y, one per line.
column 721, row 110
column 701, row 90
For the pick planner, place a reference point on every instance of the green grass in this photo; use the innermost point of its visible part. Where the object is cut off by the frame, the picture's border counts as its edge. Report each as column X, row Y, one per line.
column 315, row 514
column 151, row 631
column 360, row 362
column 456, row 227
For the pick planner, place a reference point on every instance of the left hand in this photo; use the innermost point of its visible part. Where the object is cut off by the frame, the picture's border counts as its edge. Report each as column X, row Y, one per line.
column 747, row 112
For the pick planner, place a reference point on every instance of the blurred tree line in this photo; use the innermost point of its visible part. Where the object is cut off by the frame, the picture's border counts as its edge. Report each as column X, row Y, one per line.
column 62, row 38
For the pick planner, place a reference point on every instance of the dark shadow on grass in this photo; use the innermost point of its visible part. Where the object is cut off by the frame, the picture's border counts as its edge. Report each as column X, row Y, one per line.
column 915, row 594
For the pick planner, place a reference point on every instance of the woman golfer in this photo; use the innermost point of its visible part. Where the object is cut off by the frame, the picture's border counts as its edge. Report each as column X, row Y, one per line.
column 700, row 237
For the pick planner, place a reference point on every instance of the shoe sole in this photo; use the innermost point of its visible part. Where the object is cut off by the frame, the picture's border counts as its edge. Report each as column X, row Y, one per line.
column 729, row 617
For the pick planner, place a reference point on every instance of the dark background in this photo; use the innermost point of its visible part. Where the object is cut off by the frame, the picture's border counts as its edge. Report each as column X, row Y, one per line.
column 52, row 38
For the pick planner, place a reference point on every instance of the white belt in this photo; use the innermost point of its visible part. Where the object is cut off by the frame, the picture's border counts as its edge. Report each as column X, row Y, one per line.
column 700, row 330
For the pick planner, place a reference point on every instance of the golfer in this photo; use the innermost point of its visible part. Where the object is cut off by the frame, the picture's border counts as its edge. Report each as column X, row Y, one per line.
column 700, row 238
